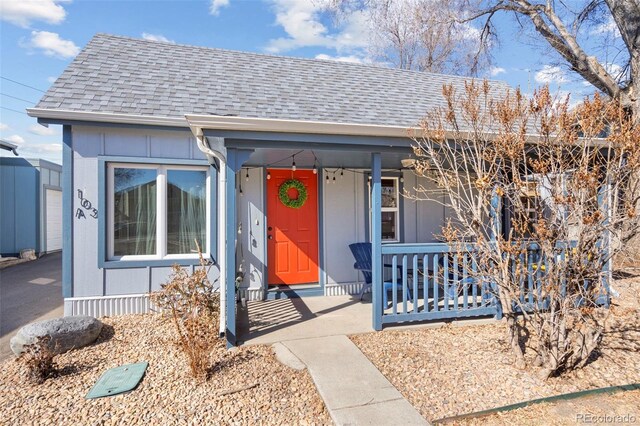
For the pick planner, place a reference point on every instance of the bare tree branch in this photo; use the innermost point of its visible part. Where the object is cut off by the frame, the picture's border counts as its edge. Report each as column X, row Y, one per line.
column 570, row 197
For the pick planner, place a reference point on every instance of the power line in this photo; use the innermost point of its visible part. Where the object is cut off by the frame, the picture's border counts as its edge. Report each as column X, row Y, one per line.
column 14, row 97
column 14, row 110
column 22, row 84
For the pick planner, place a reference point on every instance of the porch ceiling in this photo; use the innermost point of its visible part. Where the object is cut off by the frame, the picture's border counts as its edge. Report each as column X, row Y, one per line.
column 332, row 159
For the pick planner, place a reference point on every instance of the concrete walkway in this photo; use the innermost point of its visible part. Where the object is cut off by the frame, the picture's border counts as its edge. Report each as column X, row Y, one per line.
column 312, row 332
column 352, row 388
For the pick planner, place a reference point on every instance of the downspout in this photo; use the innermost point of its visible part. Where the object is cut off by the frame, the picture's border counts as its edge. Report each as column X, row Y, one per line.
column 222, row 249
column 203, row 145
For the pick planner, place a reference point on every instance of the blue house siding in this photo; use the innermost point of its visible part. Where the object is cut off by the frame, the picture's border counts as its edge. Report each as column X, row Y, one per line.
column 343, row 212
column 344, row 216
column 91, row 144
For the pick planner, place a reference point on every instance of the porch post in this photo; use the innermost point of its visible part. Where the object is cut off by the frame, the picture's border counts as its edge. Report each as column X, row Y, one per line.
column 230, row 247
column 235, row 159
column 376, row 240
column 496, row 219
column 604, row 203
column 496, row 231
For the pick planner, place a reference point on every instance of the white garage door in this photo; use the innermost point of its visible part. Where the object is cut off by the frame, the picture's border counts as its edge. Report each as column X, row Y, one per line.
column 54, row 220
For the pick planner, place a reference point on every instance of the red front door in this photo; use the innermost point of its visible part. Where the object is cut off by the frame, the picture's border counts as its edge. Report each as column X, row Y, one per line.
column 292, row 234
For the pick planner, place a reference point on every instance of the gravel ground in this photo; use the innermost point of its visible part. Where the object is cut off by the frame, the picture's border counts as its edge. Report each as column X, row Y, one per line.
column 167, row 394
column 617, row 408
column 455, row 370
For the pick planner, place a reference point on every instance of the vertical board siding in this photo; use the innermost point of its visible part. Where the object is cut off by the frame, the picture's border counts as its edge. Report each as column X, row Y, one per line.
column 27, row 207
column 159, row 275
column 7, row 210
column 87, row 142
column 87, row 277
column 343, row 225
column 252, row 220
column 54, row 178
column 161, row 146
column 344, row 210
column 345, row 215
column 131, row 144
column 410, row 214
column 430, row 215
column 89, row 280
column 126, row 281
column 20, row 201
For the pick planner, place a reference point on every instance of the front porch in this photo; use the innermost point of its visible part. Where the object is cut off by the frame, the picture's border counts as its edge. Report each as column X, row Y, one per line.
column 360, row 183
column 270, row 321
column 277, row 320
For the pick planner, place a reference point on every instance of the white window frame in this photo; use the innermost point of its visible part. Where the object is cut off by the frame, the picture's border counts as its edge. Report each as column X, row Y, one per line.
column 395, row 209
column 161, row 212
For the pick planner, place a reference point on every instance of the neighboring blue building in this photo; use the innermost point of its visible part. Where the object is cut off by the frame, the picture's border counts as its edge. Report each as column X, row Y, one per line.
column 30, row 206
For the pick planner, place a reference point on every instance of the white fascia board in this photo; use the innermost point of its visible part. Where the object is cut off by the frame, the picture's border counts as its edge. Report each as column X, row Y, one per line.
column 197, row 123
column 107, row 117
column 201, row 122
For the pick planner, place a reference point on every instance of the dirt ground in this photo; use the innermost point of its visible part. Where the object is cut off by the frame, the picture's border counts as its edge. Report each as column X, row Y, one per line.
column 167, row 395
column 451, row 371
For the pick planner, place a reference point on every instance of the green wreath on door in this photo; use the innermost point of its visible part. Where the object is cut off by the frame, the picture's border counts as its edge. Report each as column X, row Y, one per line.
column 283, row 193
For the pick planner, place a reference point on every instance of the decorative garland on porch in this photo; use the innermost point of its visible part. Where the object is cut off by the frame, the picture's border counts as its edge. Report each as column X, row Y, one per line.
column 283, row 193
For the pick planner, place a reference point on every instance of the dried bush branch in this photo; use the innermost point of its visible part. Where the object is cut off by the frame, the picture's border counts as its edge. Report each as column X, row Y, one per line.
column 565, row 184
column 194, row 306
column 38, row 360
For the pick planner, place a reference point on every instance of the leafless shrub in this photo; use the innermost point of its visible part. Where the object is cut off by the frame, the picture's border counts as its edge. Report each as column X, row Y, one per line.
column 566, row 181
column 38, row 361
column 194, row 308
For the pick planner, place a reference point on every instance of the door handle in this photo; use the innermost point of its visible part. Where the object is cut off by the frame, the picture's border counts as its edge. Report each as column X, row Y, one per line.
column 270, row 237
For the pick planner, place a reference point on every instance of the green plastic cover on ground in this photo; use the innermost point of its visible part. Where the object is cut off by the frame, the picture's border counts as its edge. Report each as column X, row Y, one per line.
column 118, row 380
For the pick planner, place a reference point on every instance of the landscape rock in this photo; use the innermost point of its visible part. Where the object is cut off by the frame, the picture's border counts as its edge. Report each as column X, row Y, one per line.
column 66, row 333
column 168, row 394
column 468, row 369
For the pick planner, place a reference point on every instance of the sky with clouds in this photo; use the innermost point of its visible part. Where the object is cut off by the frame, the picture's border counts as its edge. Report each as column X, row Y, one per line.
column 38, row 39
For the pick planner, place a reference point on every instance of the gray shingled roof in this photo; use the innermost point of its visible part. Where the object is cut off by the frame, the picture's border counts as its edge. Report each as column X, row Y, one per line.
column 131, row 76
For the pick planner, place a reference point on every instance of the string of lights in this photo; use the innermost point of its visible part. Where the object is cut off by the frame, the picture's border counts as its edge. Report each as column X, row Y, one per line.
column 330, row 173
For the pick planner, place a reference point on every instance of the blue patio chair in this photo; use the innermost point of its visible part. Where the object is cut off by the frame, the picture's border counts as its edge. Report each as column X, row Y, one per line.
column 362, row 254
